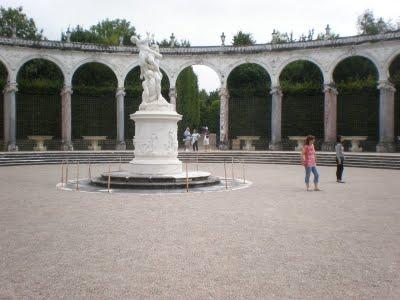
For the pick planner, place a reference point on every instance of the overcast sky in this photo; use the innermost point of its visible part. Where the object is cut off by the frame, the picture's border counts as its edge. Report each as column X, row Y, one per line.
column 203, row 21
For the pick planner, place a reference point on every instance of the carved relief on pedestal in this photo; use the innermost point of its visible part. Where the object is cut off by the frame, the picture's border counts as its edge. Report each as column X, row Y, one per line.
column 157, row 145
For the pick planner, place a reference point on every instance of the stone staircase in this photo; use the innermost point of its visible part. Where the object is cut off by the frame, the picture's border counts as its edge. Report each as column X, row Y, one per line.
column 360, row 160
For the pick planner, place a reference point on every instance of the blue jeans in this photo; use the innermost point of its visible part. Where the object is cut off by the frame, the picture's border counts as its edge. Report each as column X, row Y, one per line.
column 308, row 173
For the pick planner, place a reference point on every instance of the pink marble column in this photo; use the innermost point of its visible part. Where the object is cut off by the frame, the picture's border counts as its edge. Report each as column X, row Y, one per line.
column 66, row 93
column 120, row 99
column 330, row 117
column 224, row 119
column 386, row 117
column 10, row 117
column 276, row 119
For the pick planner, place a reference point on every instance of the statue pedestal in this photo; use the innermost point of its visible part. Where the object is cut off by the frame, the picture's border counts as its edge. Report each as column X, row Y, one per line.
column 156, row 144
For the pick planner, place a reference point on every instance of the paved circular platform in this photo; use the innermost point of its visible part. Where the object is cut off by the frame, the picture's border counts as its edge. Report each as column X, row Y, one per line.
column 272, row 240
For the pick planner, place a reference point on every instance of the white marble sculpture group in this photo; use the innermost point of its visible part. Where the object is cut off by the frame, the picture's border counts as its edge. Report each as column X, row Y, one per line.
column 156, row 144
column 149, row 61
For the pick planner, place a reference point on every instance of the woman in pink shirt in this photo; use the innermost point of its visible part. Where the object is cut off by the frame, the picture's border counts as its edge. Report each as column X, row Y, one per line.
column 309, row 161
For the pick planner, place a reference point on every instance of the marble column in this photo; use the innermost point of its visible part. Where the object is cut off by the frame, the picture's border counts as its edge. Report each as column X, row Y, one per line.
column 276, row 119
column 66, row 93
column 120, row 97
column 224, row 119
column 330, row 117
column 10, row 117
column 172, row 97
column 386, row 117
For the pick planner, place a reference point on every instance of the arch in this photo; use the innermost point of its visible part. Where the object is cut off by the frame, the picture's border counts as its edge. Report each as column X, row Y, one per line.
column 249, row 107
column 247, row 61
column 345, row 56
column 113, row 68
column 50, row 58
column 301, row 58
column 195, row 62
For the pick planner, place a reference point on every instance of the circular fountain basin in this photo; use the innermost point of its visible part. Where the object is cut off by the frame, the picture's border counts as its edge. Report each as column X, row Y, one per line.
column 126, row 179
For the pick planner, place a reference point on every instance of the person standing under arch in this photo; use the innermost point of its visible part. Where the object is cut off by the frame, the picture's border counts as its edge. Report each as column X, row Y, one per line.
column 309, row 162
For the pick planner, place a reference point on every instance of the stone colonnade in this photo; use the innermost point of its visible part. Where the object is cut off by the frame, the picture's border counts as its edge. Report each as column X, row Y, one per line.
column 380, row 49
column 386, row 117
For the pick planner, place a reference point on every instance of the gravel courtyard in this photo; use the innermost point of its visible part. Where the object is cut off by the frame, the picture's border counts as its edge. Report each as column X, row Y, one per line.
column 272, row 240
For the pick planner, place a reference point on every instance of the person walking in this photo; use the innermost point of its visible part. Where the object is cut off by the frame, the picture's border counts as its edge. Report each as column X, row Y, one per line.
column 339, row 159
column 195, row 138
column 187, row 138
column 206, row 140
column 309, row 161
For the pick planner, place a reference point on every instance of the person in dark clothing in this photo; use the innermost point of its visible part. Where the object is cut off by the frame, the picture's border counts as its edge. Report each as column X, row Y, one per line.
column 339, row 159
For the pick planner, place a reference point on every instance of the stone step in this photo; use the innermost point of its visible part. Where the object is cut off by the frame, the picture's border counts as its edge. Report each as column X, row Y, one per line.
column 388, row 161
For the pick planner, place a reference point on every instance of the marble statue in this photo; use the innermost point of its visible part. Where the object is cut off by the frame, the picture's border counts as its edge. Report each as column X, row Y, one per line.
column 150, row 73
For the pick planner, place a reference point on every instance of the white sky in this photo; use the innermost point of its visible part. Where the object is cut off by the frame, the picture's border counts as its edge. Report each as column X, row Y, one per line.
column 203, row 21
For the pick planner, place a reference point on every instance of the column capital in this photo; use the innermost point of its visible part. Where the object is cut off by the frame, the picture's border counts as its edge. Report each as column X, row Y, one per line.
column 224, row 92
column 330, row 88
column 67, row 89
column 120, row 91
column 276, row 90
column 11, row 87
column 386, row 85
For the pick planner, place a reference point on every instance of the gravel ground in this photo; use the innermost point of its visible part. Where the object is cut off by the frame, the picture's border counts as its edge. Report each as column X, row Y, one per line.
column 272, row 240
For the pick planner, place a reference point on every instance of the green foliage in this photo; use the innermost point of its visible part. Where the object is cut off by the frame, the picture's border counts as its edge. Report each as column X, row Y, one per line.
column 368, row 24
column 243, row 39
column 106, row 32
column 16, row 18
column 209, row 110
column 248, row 80
column 3, row 76
column 94, row 78
column 40, row 76
column 355, row 68
column 395, row 72
column 188, row 103
column 301, row 71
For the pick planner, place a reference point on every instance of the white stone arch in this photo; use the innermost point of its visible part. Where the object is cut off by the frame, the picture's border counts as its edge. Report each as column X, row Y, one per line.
column 346, row 55
column 192, row 62
column 113, row 68
column 136, row 64
column 248, row 61
column 310, row 59
column 50, row 58
column 390, row 60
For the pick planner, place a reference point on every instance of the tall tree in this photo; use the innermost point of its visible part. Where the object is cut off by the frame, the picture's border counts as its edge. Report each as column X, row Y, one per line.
column 15, row 18
column 188, row 103
column 243, row 39
column 367, row 24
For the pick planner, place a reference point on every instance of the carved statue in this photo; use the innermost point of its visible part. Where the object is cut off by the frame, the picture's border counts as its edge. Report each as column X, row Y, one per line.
column 150, row 73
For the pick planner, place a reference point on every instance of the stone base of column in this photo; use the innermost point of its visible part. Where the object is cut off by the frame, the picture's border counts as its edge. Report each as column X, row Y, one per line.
column 67, row 146
column 12, row 147
column 328, row 146
column 386, row 147
column 120, row 146
column 276, row 146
